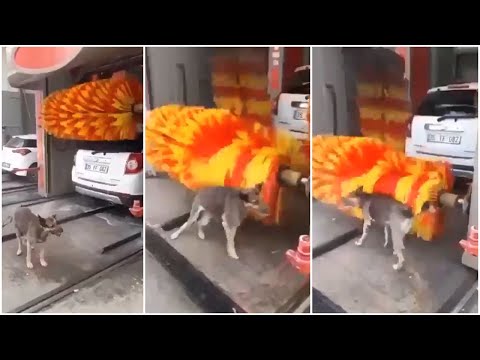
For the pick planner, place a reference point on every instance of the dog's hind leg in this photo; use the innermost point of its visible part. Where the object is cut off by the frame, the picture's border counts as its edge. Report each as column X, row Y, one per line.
column 194, row 214
column 230, row 232
column 400, row 226
column 19, row 240
column 202, row 222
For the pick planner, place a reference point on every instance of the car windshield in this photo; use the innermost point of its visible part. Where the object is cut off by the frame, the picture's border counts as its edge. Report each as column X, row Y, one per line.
column 113, row 146
column 299, row 83
column 15, row 142
column 452, row 102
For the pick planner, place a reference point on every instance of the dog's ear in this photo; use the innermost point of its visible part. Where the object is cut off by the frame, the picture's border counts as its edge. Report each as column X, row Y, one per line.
column 54, row 216
column 42, row 221
column 243, row 195
column 359, row 190
column 259, row 187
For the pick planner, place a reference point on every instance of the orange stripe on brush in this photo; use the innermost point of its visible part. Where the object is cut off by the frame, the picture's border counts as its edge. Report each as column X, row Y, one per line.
column 270, row 193
column 386, row 184
column 412, row 196
column 236, row 177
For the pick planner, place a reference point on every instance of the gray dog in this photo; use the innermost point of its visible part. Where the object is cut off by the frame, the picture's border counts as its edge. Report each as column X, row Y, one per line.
column 387, row 212
column 33, row 229
column 230, row 205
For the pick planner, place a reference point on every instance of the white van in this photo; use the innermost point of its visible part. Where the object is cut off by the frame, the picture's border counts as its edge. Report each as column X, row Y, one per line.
column 445, row 127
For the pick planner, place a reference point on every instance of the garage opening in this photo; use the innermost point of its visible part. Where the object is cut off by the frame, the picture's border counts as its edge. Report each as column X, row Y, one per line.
column 85, row 135
column 370, row 128
column 214, row 102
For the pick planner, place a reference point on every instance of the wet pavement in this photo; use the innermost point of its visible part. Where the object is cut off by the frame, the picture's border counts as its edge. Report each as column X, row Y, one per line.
column 164, row 293
column 260, row 281
column 118, row 291
column 90, row 244
column 361, row 279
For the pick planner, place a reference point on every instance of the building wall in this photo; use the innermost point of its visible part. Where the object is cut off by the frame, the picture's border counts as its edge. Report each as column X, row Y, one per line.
column 442, row 70
column 5, row 85
column 18, row 109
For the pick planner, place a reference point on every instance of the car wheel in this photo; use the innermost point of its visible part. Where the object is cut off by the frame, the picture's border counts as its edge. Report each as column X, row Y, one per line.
column 33, row 175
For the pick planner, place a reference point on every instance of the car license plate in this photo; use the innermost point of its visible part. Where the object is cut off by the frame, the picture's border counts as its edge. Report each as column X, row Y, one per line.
column 444, row 139
column 300, row 115
column 97, row 168
column 5, row 165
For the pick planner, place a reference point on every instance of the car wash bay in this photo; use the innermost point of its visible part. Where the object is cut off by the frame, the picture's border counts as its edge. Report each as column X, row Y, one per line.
column 348, row 278
column 200, row 271
column 98, row 258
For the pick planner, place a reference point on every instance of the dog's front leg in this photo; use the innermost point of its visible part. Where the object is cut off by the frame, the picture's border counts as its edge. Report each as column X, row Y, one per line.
column 366, row 226
column 19, row 240
column 29, row 253
column 401, row 260
column 230, row 234
column 42, row 256
column 398, row 246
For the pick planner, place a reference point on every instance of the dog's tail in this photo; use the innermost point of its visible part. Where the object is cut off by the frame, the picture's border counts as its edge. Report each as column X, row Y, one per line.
column 8, row 220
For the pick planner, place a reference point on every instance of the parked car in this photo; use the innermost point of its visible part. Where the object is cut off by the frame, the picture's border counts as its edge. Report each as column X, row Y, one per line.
column 445, row 127
column 291, row 106
column 20, row 152
column 112, row 171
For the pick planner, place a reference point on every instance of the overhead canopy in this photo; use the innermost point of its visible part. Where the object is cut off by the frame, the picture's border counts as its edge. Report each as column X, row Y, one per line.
column 28, row 65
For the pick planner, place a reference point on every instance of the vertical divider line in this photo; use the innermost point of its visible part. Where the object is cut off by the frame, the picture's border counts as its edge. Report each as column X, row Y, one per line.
column 4, row 57
column 310, row 182
column 146, row 106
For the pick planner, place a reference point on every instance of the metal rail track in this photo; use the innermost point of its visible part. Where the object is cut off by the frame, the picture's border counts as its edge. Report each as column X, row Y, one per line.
column 49, row 298
column 12, row 236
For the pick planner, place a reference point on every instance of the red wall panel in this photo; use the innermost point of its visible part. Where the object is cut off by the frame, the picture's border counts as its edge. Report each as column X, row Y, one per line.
column 419, row 74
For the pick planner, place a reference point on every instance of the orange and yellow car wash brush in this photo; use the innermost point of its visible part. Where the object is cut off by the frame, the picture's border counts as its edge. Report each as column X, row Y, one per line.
column 203, row 147
column 341, row 164
column 95, row 111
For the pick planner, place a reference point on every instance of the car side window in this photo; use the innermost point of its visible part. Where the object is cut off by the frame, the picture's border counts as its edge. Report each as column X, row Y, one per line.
column 300, row 83
column 30, row 143
column 442, row 103
column 14, row 142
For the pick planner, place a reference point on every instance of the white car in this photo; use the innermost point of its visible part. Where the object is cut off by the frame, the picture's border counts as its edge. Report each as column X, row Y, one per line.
column 20, row 152
column 291, row 106
column 445, row 127
column 114, row 176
